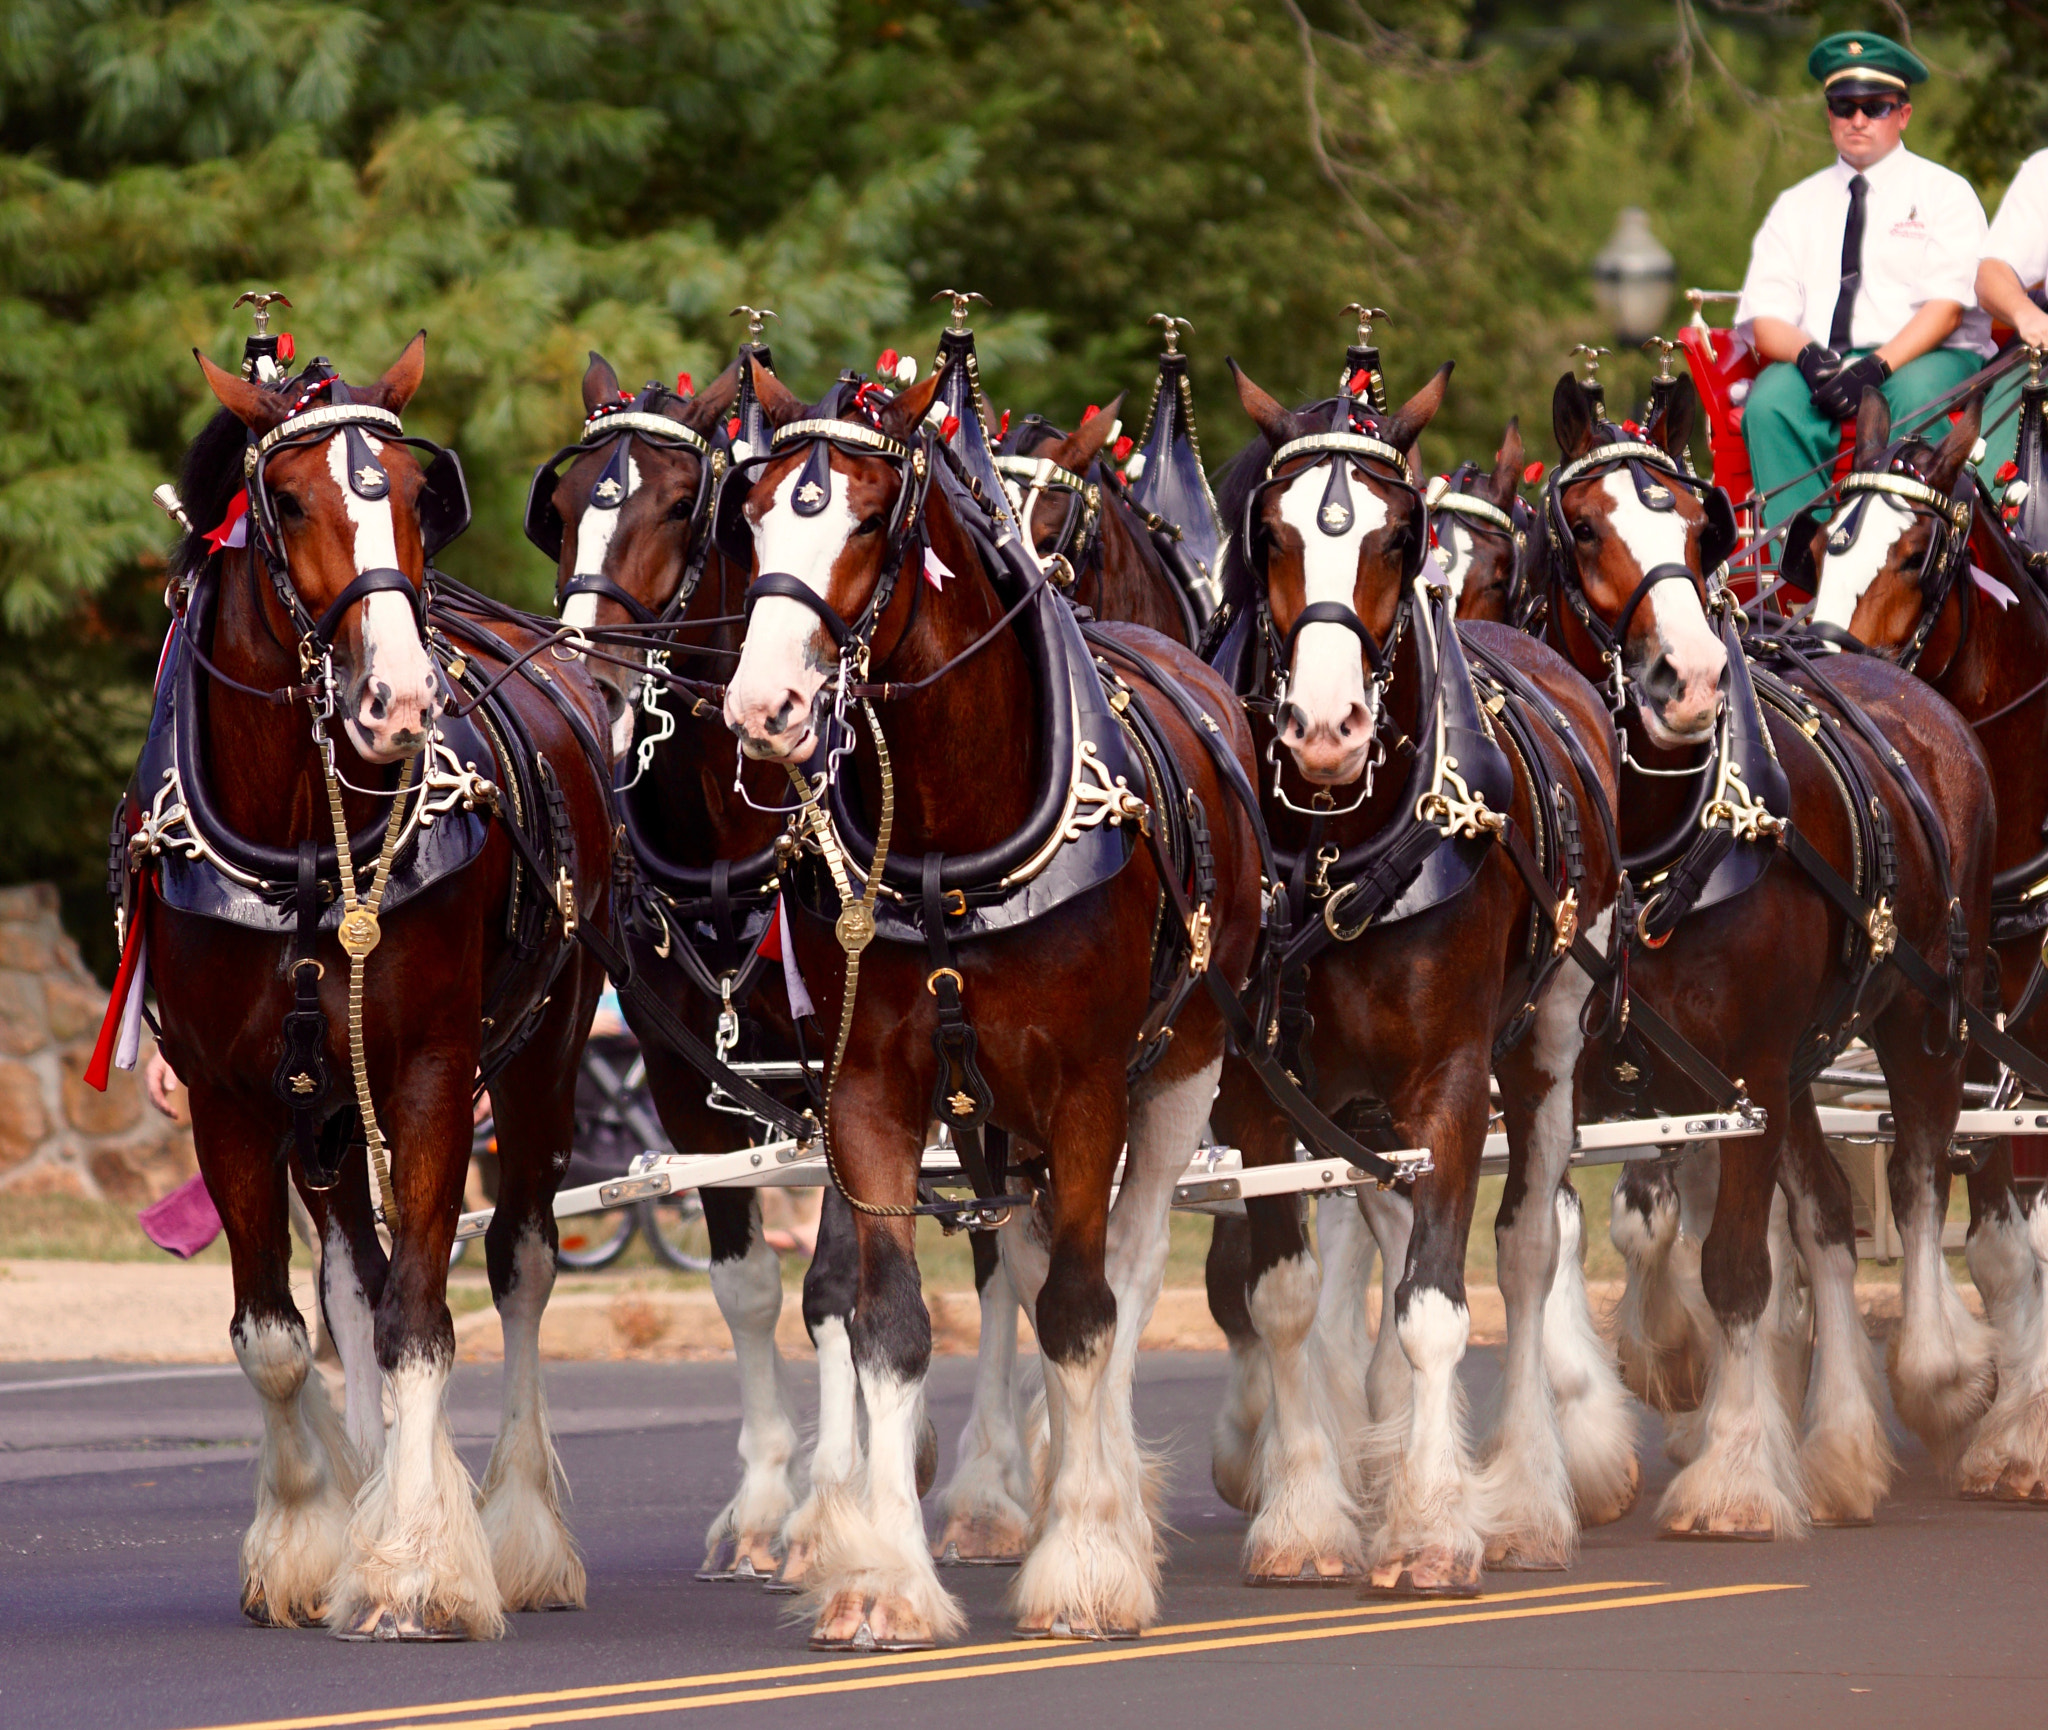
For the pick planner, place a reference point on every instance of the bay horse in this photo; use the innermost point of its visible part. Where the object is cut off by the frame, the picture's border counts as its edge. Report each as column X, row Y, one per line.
column 1919, row 570
column 867, row 566
column 627, row 518
column 380, row 1533
column 1482, row 535
column 1343, row 649
column 1765, row 982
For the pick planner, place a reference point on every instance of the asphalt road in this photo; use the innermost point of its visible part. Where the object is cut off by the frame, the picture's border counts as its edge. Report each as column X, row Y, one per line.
column 123, row 1494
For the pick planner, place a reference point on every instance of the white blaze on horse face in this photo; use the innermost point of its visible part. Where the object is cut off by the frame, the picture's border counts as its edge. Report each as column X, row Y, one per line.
column 1329, row 728
column 395, row 695
column 782, row 662
column 594, row 532
column 1455, row 554
column 1678, row 621
column 1845, row 577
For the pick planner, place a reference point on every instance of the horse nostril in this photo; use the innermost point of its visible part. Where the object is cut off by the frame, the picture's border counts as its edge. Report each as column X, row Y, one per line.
column 1661, row 682
column 1293, row 721
column 380, row 701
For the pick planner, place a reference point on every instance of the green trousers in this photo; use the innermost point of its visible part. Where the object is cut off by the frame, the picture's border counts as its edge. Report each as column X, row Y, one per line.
column 2001, row 440
column 1786, row 433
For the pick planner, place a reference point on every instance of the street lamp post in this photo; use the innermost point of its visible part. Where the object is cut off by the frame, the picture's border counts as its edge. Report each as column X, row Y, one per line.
column 1632, row 278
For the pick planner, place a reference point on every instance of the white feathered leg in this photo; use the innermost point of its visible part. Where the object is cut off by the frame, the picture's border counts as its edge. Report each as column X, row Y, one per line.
column 740, row 1542
column 982, row 1510
column 532, row 1553
column 352, row 1326
column 1745, row 1482
column 419, row 1565
column 1093, row 1568
column 306, row 1474
column 1345, row 1247
column 1942, row 1361
column 1663, row 1327
column 2007, row 1458
column 1432, row 1533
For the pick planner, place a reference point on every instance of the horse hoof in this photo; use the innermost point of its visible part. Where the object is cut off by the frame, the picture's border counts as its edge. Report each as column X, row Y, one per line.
column 1510, row 1560
column 718, row 1560
column 1422, row 1577
column 1702, row 1529
column 1843, row 1522
column 1313, row 1571
column 748, row 1570
column 853, row 1623
column 979, row 1543
column 2013, row 1490
column 1061, row 1628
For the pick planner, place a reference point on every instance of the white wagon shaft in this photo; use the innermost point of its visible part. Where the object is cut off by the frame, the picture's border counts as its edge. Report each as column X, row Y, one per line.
column 1216, row 1181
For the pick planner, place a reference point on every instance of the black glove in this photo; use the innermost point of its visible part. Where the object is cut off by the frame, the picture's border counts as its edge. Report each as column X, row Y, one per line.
column 1842, row 395
column 1817, row 364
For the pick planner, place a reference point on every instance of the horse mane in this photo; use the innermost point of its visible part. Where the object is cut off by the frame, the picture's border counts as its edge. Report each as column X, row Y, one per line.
column 208, row 479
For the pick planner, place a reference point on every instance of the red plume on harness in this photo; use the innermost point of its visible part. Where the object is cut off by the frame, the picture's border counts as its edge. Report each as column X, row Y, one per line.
column 1359, row 383
column 683, row 385
column 286, row 348
column 1533, row 474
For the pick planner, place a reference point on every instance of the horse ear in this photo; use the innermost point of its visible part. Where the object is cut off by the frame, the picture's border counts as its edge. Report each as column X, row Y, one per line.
column 1671, row 431
column 1084, row 444
column 1507, row 465
column 708, row 407
column 1267, row 415
column 395, row 389
column 1419, row 410
column 1961, row 441
column 1571, row 418
column 902, row 413
column 1873, row 429
column 600, row 384
column 256, row 408
column 778, row 402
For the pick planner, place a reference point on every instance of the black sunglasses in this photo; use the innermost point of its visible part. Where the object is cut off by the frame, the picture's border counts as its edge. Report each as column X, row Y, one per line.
column 1875, row 107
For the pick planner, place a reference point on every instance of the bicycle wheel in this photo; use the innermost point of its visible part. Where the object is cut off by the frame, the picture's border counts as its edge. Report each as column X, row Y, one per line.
column 594, row 1240
column 675, row 1231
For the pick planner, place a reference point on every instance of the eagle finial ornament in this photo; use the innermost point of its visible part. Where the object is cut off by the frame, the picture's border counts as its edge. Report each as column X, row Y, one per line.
column 1173, row 327
column 1365, row 315
column 756, row 317
column 262, row 300
column 962, row 301
column 1592, row 355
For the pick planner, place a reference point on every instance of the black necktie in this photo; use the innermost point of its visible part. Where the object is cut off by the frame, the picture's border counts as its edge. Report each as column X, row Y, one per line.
column 1852, row 267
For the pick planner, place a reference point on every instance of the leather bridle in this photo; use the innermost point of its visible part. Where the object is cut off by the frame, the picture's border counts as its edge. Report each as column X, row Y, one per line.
column 615, row 427
column 1657, row 478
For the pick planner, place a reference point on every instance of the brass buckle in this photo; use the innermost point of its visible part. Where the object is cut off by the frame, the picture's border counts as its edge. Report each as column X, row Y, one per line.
column 932, row 983
column 1200, row 939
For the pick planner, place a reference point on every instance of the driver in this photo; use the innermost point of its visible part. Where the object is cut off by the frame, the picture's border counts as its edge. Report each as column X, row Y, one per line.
column 1862, row 275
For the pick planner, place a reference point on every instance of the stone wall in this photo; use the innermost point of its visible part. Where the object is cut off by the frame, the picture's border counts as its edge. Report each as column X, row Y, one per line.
column 58, row 1136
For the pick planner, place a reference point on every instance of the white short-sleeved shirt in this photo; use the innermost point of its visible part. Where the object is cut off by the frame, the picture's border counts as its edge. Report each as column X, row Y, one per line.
column 1923, row 233
column 2019, row 233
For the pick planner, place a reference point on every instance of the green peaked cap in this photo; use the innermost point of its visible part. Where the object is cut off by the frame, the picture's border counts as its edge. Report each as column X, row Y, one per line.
column 1861, row 61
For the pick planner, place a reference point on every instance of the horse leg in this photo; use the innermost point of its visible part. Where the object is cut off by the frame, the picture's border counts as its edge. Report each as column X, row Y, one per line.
column 873, row 1584
column 1433, row 1522
column 831, row 1285
column 420, row 1564
column 1233, row 1438
column 1744, row 1481
column 2006, row 1460
column 746, row 1281
column 353, row 1267
column 306, row 1472
column 1529, row 1475
column 982, row 1508
column 1390, row 1218
column 1661, row 1323
column 1846, row 1456
column 1093, row 1571
column 532, row 1554
column 1345, row 1247
column 1306, row 1525
column 1593, row 1409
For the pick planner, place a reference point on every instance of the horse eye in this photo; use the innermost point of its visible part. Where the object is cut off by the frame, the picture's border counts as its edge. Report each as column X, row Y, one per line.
column 683, row 509
column 287, row 506
column 1584, row 533
column 870, row 526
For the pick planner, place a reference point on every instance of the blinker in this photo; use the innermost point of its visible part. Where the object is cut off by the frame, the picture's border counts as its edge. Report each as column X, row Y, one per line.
column 609, row 494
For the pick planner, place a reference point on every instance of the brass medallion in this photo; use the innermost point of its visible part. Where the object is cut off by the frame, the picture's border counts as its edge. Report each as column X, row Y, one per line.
column 359, row 933
column 855, row 927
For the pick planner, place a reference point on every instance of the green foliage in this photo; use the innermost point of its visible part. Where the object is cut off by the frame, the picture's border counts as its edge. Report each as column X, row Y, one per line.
column 530, row 181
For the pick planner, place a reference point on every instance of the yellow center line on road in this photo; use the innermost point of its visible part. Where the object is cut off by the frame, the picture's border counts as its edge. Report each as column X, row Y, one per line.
column 842, row 1662
column 930, row 1666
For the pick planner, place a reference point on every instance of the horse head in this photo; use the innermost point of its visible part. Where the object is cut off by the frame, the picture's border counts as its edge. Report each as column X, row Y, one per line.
column 830, row 510
column 337, row 509
column 1476, row 537
column 1341, row 532
column 1875, row 568
column 1060, row 510
column 1631, row 538
column 628, row 518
